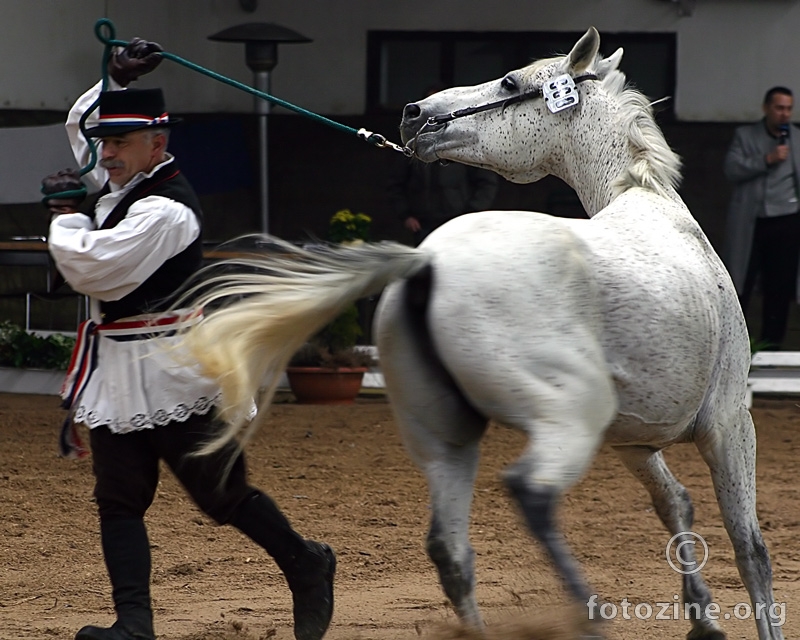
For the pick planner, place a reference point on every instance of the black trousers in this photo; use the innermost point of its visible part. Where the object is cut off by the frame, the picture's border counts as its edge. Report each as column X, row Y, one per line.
column 126, row 468
column 775, row 255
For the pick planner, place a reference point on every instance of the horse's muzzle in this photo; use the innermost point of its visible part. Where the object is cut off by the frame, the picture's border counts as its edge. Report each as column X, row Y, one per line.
column 414, row 119
column 415, row 129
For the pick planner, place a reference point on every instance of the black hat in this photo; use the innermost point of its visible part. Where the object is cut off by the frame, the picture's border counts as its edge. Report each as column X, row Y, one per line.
column 130, row 110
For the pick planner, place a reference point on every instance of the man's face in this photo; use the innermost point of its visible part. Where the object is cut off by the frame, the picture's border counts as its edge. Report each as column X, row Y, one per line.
column 778, row 111
column 126, row 155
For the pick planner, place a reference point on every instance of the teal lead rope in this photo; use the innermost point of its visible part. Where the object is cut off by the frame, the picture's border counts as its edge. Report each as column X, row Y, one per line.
column 81, row 193
column 109, row 40
column 374, row 138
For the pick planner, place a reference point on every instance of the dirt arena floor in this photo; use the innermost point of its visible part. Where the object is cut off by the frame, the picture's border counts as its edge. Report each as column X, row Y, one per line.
column 342, row 476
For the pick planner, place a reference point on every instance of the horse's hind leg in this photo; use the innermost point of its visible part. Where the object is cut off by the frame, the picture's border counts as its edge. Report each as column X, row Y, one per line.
column 443, row 438
column 538, row 499
column 563, row 398
column 731, row 456
column 451, row 476
column 674, row 508
column 556, row 457
column 441, row 432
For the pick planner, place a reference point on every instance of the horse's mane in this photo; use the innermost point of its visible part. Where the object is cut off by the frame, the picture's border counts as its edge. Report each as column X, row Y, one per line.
column 655, row 165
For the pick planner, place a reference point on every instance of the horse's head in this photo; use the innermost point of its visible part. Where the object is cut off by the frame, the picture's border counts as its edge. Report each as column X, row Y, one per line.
column 511, row 125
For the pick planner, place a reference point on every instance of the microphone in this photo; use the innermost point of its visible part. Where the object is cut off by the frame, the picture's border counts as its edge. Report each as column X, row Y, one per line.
column 784, row 135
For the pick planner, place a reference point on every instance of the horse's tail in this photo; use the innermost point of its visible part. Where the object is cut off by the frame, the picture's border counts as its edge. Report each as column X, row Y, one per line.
column 270, row 304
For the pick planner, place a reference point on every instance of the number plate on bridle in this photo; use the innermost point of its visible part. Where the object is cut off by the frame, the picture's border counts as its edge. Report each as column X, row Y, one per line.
column 560, row 93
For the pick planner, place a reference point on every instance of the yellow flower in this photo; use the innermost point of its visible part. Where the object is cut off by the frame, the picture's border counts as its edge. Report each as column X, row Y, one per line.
column 346, row 226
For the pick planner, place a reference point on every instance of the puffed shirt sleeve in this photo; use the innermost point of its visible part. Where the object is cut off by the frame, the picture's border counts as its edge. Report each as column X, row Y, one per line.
column 110, row 263
column 80, row 146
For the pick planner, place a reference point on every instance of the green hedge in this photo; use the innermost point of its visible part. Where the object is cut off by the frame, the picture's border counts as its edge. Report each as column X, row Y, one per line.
column 21, row 349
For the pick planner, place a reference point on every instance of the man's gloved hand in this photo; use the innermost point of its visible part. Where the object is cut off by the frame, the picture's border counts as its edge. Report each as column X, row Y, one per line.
column 62, row 182
column 136, row 59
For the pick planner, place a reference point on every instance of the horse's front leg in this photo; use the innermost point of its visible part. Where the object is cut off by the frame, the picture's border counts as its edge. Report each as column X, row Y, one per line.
column 728, row 445
column 674, row 508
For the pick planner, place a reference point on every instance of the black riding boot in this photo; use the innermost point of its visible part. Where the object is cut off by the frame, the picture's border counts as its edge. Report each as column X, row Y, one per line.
column 127, row 553
column 309, row 566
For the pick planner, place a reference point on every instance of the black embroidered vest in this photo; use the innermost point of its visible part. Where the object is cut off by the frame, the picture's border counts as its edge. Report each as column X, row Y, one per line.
column 155, row 293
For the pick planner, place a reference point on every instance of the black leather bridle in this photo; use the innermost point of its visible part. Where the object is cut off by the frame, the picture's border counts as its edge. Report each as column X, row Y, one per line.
column 499, row 104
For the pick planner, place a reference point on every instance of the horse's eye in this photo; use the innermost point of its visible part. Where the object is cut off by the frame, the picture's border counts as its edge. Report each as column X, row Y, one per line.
column 508, row 84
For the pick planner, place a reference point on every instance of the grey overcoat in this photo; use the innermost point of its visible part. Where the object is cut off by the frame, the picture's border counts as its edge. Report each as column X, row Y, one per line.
column 747, row 169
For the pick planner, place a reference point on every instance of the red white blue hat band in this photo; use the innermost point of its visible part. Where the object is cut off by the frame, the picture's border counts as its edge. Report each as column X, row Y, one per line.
column 135, row 120
column 130, row 110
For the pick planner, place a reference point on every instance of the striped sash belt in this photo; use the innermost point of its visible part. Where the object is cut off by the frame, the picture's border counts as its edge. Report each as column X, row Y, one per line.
column 83, row 362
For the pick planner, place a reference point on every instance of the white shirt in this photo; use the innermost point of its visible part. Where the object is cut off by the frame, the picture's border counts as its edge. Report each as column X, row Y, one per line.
column 108, row 264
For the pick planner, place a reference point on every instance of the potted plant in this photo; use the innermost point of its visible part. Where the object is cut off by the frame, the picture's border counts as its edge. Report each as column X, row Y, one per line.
column 330, row 367
column 30, row 363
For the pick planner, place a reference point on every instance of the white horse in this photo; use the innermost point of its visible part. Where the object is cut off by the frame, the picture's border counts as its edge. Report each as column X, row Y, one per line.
column 624, row 328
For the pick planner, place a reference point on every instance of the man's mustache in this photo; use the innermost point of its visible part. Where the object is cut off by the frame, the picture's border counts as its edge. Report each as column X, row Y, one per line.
column 111, row 164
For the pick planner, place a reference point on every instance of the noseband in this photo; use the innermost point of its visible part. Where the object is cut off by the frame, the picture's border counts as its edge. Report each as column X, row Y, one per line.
column 559, row 94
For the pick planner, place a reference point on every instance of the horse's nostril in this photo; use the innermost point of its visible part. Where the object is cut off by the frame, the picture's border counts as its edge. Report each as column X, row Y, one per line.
column 411, row 111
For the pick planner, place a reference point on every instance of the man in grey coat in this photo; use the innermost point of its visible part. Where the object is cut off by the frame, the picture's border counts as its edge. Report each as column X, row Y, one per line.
column 763, row 227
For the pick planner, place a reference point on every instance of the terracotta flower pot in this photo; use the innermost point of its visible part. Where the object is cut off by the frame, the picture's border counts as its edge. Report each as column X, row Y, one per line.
column 315, row 385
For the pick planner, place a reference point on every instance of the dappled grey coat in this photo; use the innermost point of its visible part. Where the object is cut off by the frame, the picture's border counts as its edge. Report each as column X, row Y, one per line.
column 746, row 168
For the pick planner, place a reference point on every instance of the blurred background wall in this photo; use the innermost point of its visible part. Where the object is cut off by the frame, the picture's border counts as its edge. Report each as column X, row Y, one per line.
column 711, row 59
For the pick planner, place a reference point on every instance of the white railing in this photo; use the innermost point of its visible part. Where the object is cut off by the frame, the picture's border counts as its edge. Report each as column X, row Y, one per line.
column 774, row 373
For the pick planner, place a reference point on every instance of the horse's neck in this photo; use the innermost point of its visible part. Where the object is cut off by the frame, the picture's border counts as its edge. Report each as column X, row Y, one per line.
column 592, row 183
column 591, row 170
column 595, row 153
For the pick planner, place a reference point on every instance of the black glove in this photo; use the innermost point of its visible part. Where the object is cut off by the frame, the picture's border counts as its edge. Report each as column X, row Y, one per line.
column 62, row 182
column 136, row 59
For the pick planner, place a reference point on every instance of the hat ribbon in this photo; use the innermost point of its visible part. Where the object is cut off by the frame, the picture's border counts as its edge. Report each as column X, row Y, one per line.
column 129, row 119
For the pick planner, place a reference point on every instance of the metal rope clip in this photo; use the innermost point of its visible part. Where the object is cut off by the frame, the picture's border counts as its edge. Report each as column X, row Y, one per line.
column 380, row 141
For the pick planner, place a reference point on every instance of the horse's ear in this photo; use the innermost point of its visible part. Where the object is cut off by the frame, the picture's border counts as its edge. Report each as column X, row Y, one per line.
column 607, row 65
column 584, row 52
